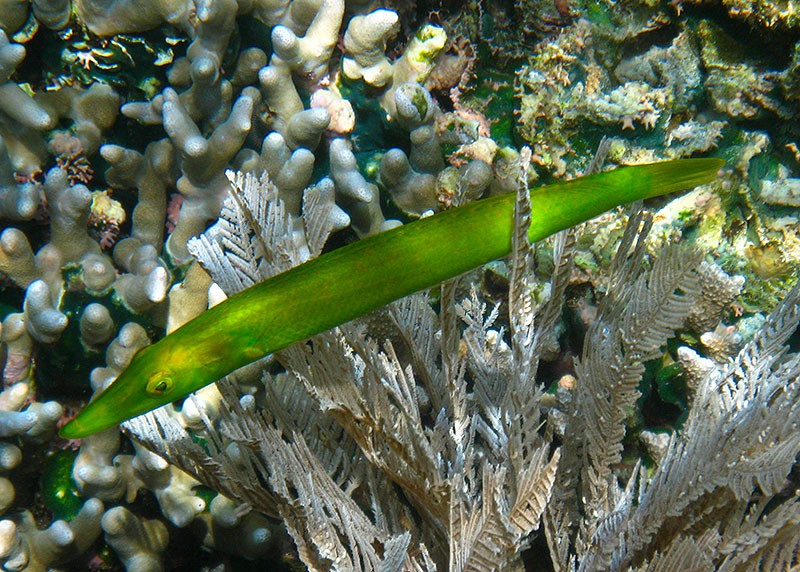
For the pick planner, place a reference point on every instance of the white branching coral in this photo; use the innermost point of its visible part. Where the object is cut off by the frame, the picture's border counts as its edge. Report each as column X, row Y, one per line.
column 138, row 543
column 24, row 547
column 365, row 38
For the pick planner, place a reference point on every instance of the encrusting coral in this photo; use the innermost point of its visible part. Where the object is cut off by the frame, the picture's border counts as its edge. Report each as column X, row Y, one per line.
column 119, row 122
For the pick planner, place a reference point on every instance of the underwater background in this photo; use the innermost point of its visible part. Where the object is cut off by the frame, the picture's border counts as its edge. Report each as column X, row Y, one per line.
column 119, row 119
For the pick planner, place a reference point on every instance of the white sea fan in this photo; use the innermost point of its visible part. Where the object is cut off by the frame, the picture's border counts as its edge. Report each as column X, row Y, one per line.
column 412, row 439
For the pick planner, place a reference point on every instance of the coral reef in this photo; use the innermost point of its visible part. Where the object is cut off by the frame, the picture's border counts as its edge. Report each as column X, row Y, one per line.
column 119, row 122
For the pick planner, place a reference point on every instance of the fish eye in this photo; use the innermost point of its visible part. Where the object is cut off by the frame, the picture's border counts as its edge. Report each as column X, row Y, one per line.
column 159, row 383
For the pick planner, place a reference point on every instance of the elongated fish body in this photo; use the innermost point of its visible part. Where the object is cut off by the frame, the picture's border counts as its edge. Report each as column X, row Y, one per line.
column 358, row 278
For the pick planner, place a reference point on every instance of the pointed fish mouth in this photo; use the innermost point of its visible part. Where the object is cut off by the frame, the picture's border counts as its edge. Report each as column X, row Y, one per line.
column 104, row 412
column 87, row 423
column 118, row 402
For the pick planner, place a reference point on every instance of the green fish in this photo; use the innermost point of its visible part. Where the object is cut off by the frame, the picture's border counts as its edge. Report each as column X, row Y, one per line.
column 356, row 279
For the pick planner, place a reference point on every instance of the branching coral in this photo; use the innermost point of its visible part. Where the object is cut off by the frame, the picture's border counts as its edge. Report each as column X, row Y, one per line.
column 24, row 547
column 21, row 118
column 107, row 17
column 138, row 543
column 17, row 200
